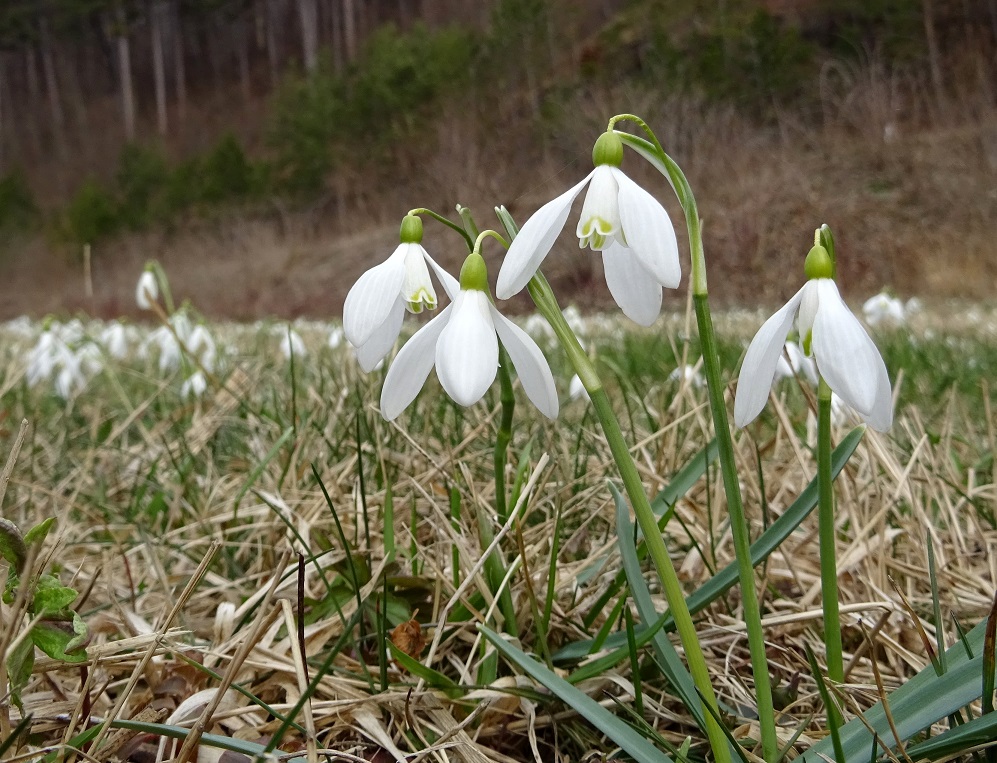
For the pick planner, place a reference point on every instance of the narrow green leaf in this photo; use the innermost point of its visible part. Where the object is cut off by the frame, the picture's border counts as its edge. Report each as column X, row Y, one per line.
column 955, row 742
column 830, row 707
column 923, row 700
column 724, row 580
column 674, row 669
column 433, row 677
column 636, row 746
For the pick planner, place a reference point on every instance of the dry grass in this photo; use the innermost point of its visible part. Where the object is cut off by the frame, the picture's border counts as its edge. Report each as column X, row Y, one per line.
column 182, row 530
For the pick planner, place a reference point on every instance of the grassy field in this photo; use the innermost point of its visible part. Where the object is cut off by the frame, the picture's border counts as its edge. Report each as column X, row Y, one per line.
column 272, row 554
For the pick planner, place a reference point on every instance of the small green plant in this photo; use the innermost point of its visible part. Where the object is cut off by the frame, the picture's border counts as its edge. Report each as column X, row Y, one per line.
column 56, row 628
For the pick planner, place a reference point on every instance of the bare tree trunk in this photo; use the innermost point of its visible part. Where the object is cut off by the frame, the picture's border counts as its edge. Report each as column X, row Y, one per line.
column 179, row 69
column 350, row 30
column 272, row 21
column 34, row 90
column 934, row 59
column 3, row 112
column 52, row 88
column 337, row 38
column 156, row 10
column 308, row 14
column 125, row 73
column 242, row 41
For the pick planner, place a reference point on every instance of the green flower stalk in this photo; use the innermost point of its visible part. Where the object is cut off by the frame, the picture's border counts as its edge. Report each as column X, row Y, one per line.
column 651, row 149
column 849, row 365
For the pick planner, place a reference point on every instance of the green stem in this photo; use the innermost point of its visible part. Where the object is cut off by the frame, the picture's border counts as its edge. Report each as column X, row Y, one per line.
column 714, row 381
column 739, row 530
column 495, row 572
column 449, row 223
column 504, row 434
column 825, row 531
column 546, row 303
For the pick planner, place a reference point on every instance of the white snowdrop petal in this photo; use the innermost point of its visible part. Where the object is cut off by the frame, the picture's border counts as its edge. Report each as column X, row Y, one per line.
column 635, row 290
column 450, row 284
column 411, row 366
column 534, row 242
column 531, row 365
column 649, row 232
column 760, row 361
column 380, row 342
column 467, row 353
column 846, row 356
column 372, row 297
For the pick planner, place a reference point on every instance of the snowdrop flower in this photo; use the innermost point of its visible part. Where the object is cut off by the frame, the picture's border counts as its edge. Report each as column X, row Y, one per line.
column 292, row 345
column 576, row 390
column 462, row 342
column 845, row 356
column 375, row 306
column 335, row 337
column 619, row 219
column 797, row 365
column 147, row 290
column 688, row 375
column 201, row 345
column 194, row 385
column 883, row 309
column 114, row 337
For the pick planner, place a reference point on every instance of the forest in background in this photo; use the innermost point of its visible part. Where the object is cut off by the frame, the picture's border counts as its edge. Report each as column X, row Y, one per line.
column 264, row 150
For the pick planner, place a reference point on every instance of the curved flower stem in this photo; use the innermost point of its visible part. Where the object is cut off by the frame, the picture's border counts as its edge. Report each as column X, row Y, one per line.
column 546, row 303
column 449, row 223
column 653, row 151
column 825, row 518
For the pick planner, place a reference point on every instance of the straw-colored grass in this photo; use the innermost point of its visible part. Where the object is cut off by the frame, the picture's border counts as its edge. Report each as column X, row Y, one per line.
column 194, row 542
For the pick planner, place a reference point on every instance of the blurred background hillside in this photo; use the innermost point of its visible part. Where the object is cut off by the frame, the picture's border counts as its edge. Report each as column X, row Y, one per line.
column 265, row 150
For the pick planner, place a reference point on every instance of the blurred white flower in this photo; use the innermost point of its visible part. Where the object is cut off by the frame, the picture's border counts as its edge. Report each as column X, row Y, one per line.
column 576, row 390
column 291, row 344
column 194, row 385
column 336, row 337
column 147, row 290
column 883, row 310
column 115, row 338
column 688, row 375
column 798, row 365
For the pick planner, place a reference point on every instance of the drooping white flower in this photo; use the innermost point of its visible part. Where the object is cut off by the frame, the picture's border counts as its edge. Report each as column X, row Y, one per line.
column 688, row 375
column 147, row 290
column 201, row 345
column 462, row 342
column 846, row 357
column 335, row 337
column 291, row 344
column 194, row 385
column 621, row 220
column 115, row 338
column 375, row 306
column 576, row 389
column 883, row 310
